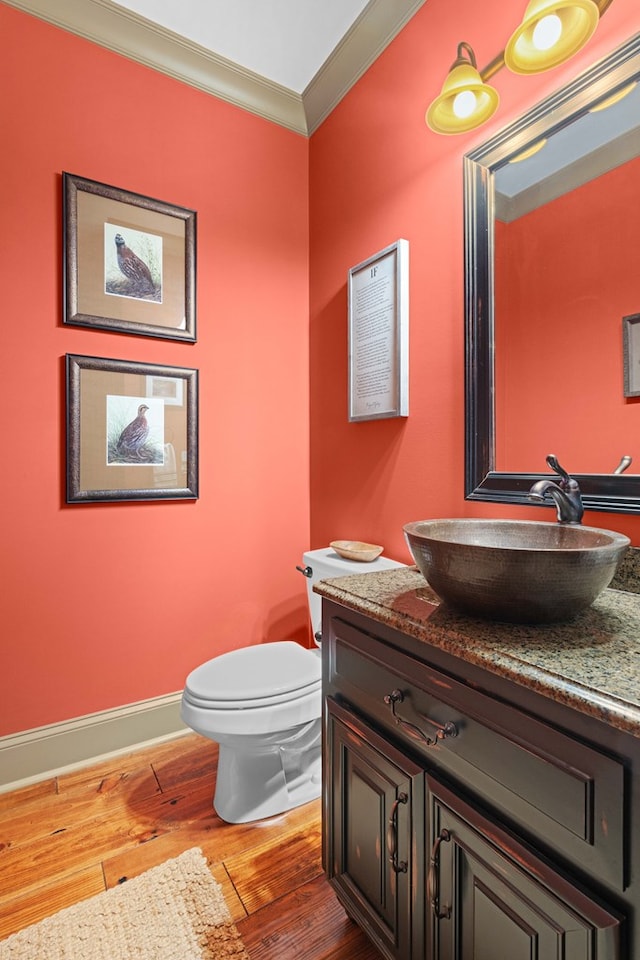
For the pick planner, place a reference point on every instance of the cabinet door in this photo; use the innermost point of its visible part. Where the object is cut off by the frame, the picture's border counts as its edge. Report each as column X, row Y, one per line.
column 490, row 897
column 567, row 795
column 374, row 821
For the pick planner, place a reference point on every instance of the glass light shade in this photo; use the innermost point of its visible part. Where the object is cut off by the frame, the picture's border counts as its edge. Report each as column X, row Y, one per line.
column 454, row 111
column 528, row 52
column 614, row 98
column 529, row 152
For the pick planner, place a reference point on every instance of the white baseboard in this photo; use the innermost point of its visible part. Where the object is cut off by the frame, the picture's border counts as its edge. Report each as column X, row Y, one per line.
column 60, row 747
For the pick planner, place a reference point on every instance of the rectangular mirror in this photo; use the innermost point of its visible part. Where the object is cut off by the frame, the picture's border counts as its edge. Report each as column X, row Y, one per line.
column 551, row 253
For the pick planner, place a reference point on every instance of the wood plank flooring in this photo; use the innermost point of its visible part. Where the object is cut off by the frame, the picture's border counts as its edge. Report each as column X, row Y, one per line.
column 66, row 839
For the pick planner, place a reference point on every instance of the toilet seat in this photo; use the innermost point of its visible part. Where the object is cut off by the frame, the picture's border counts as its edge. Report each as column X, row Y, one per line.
column 254, row 677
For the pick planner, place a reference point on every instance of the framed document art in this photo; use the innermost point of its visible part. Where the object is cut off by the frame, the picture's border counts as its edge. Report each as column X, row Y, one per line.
column 132, row 431
column 378, row 297
column 631, row 353
column 129, row 261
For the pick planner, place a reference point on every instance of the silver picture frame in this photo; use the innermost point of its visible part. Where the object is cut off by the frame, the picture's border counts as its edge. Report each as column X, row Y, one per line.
column 378, row 304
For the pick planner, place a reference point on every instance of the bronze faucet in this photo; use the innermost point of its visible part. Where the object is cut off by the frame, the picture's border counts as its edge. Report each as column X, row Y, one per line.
column 565, row 493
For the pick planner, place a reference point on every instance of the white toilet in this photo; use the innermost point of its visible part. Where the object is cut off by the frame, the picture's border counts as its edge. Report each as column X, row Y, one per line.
column 262, row 704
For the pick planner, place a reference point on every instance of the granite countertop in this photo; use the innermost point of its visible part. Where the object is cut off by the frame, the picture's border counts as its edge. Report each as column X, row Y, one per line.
column 591, row 664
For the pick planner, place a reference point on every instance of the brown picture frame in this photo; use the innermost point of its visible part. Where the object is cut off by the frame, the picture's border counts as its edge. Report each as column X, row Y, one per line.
column 631, row 354
column 129, row 261
column 125, row 439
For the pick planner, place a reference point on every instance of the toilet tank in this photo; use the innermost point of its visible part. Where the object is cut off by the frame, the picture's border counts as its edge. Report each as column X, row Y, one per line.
column 326, row 563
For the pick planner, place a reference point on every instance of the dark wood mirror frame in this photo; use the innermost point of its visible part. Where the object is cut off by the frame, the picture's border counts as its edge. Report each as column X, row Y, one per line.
column 613, row 493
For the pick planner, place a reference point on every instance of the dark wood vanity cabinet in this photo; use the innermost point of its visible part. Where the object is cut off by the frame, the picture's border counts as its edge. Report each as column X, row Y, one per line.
column 377, row 813
column 491, row 896
column 459, row 825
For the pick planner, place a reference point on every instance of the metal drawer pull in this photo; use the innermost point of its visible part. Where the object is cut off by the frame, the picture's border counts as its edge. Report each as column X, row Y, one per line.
column 433, row 879
column 392, row 836
column 445, row 730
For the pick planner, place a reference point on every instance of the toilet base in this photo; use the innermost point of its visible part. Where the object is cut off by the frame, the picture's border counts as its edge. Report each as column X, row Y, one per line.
column 255, row 781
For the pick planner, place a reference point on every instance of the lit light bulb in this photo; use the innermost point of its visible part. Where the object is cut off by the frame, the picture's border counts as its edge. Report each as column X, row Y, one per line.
column 547, row 31
column 464, row 104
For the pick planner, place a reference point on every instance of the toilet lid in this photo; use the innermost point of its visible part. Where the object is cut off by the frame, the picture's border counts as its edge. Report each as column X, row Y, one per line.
column 258, row 675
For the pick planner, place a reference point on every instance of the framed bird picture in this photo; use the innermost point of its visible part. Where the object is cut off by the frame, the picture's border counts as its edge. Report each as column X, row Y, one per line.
column 132, row 430
column 129, row 261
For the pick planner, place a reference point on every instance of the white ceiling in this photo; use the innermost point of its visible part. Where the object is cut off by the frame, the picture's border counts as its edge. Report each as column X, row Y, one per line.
column 584, row 136
column 290, row 61
column 286, row 41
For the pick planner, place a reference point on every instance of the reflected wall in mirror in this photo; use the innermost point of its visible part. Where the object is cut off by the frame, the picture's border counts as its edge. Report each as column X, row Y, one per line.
column 551, row 254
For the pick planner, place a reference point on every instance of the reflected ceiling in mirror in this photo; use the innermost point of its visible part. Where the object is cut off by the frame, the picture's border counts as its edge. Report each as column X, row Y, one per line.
column 551, row 257
column 594, row 143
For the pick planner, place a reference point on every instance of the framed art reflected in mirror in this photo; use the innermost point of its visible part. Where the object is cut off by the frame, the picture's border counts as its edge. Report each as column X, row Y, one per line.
column 631, row 353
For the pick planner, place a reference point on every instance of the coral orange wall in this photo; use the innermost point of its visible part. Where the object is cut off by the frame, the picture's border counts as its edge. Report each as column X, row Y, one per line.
column 103, row 605
column 377, row 174
column 581, row 279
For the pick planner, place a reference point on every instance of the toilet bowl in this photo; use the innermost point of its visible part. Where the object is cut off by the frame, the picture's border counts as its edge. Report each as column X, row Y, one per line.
column 262, row 704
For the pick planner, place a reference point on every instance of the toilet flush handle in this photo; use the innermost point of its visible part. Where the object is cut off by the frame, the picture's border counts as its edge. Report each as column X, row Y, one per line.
column 305, row 571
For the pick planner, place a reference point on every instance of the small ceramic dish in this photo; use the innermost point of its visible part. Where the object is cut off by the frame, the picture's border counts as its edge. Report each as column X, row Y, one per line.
column 356, row 550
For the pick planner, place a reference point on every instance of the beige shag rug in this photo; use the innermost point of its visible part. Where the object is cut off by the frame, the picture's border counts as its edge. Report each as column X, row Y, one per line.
column 172, row 912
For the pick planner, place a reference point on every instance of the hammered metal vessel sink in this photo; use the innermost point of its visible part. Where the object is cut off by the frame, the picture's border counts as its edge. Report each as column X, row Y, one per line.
column 515, row 570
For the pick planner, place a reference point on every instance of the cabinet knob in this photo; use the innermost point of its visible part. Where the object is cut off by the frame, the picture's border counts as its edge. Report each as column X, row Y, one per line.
column 443, row 730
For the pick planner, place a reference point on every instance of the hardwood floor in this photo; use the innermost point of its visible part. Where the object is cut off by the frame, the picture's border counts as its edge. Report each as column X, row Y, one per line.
column 68, row 838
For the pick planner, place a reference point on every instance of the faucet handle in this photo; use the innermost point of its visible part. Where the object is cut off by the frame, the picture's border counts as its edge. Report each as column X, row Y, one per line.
column 624, row 463
column 565, row 493
column 566, row 482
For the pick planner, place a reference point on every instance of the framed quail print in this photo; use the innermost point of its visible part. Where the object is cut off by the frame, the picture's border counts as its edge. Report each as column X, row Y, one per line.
column 129, row 262
column 128, row 437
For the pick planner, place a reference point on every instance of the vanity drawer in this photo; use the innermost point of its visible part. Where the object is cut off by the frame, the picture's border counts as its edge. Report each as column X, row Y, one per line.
column 562, row 790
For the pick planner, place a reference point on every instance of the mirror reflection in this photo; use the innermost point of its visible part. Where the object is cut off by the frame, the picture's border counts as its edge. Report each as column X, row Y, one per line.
column 565, row 273
column 552, row 250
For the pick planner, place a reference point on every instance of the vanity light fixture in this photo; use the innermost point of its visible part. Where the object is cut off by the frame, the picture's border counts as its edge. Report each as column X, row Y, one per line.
column 529, row 152
column 614, row 98
column 466, row 100
column 550, row 33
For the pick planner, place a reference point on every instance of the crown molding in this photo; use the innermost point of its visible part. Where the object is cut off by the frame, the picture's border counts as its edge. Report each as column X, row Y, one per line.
column 375, row 28
column 111, row 26
column 132, row 36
